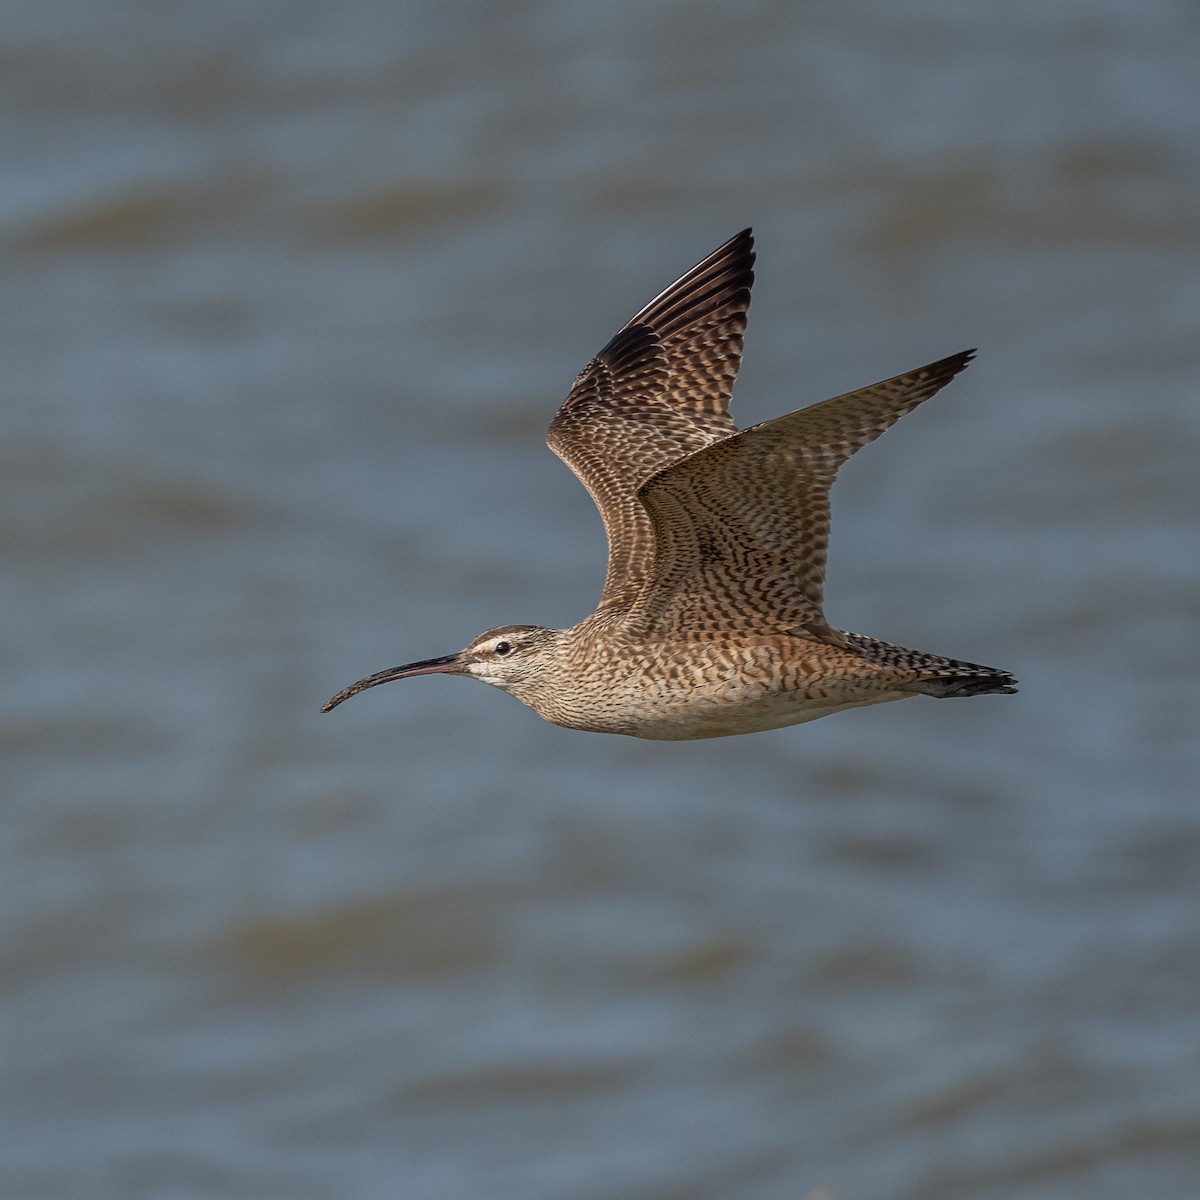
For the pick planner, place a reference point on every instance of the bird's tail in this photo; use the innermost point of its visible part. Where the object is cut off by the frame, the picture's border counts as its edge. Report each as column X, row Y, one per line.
column 934, row 675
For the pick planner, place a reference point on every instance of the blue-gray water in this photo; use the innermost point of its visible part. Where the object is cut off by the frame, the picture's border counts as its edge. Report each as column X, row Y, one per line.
column 289, row 294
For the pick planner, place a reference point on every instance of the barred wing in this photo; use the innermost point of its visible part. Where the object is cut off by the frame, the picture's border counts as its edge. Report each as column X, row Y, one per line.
column 657, row 392
column 741, row 527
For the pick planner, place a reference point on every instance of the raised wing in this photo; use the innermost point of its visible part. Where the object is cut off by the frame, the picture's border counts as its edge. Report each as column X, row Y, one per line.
column 741, row 527
column 657, row 392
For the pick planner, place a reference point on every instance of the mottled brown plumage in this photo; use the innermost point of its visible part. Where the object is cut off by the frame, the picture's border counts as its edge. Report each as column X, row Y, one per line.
column 657, row 392
column 710, row 621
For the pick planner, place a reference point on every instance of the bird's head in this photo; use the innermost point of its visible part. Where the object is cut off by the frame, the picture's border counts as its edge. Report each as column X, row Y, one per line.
column 506, row 657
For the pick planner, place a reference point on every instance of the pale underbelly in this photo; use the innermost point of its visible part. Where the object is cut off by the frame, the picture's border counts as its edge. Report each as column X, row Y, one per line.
column 725, row 711
column 755, row 717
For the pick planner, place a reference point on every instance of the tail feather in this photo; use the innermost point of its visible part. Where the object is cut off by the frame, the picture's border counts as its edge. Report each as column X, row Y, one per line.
column 986, row 683
column 934, row 675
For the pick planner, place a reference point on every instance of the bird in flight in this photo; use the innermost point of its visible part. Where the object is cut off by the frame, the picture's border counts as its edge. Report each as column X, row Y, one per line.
column 710, row 621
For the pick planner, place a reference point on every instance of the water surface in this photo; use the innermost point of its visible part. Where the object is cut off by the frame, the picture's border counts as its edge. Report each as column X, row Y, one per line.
column 289, row 296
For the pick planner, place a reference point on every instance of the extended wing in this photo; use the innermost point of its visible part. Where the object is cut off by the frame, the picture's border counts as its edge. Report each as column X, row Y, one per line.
column 741, row 527
column 657, row 392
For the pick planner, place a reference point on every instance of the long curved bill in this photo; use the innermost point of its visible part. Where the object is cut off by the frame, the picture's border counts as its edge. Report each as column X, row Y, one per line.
column 428, row 666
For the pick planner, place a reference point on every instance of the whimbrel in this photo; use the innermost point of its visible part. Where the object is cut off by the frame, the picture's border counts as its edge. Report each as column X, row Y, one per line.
column 710, row 621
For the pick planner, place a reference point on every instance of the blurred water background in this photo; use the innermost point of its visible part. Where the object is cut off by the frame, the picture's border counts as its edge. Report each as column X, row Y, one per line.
column 290, row 292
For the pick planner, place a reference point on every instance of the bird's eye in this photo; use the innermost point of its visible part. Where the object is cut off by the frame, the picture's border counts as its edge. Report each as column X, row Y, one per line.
column 503, row 648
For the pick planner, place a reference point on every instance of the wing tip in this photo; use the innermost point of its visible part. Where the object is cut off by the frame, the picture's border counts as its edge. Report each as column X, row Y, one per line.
column 739, row 247
column 944, row 369
column 956, row 362
column 743, row 240
column 721, row 280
